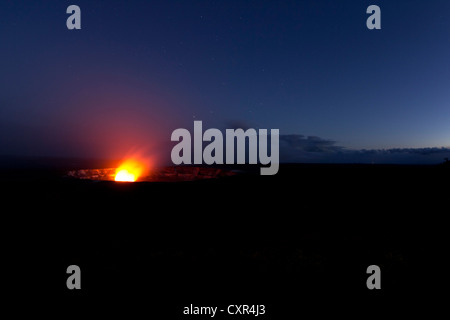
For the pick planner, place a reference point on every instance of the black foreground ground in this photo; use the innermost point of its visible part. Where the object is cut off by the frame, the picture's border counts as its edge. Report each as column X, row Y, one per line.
column 300, row 240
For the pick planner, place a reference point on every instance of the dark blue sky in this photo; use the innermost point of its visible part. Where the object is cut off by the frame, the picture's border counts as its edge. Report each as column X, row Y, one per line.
column 137, row 70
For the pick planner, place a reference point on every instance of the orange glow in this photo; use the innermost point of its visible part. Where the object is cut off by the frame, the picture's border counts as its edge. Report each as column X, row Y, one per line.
column 129, row 171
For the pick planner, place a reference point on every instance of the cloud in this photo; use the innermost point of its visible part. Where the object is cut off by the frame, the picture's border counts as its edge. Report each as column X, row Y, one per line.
column 308, row 144
column 430, row 155
column 300, row 148
column 236, row 124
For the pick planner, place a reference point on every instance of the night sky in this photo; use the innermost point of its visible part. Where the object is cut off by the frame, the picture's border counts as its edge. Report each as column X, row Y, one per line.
column 137, row 70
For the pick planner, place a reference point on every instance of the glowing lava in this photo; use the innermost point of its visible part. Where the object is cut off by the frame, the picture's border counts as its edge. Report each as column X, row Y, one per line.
column 124, row 175
column 129, row 171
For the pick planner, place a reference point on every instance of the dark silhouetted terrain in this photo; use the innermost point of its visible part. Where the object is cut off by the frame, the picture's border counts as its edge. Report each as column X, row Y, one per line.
column 305, row 235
